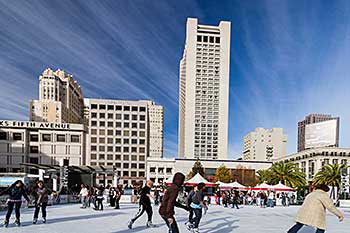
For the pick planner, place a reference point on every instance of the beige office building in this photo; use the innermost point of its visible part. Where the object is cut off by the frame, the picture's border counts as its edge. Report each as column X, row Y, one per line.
column 39, row 143
column 204, row 91
column 123, row 134
column 264, row 145
column 312, row 160
column 60, row 99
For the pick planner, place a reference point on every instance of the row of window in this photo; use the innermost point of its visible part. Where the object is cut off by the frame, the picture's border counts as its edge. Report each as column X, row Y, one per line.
column 119, row 124
column 118, row 108
column 118, row 149
column 15, row 136
column 118, row 116
column 118, row 157
column 132, row 141
column 210, row 39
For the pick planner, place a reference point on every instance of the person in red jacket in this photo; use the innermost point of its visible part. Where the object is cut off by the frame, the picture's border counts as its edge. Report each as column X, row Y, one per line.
column 168, row 203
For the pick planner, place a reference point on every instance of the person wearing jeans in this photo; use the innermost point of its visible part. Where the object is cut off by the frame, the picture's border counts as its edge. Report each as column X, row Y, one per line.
column 313, row 211
column 15, row 192
column 196, row 205
column 83, row 195
column 41, row 198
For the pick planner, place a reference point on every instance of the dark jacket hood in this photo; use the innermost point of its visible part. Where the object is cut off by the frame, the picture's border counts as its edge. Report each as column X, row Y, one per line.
column 179, row 179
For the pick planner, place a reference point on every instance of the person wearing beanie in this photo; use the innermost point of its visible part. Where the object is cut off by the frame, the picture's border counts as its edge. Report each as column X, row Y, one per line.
column 166, row 209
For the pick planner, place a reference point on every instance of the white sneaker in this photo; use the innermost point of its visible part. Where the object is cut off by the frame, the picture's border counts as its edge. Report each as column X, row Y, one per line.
column 189, row 226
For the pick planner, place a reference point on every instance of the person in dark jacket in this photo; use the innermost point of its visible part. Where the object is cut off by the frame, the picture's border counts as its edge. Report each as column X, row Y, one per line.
column 99, row 198
column 117, row 199
column 15, row 192
column 41, row 198
column 145, row 205
column 166, row 209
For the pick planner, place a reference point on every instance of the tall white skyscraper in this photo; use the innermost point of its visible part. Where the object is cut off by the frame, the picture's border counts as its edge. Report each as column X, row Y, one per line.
column 204, row 91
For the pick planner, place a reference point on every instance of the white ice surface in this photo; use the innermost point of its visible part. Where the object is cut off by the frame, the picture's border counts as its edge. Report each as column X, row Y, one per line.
column 249, row 219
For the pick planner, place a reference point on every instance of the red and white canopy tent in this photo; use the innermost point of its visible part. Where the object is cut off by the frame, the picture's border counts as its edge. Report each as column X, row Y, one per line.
column 278, row 187
column 198, row 179
column 234, row 185
column 282, row 188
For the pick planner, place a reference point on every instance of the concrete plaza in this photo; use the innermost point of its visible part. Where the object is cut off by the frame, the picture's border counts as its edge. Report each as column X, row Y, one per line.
column 249, row 219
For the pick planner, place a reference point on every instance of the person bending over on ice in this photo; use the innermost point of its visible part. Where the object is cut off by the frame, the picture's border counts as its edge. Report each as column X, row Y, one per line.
column 166, row 209
column 15, row 192
column 313, row 210
column 41, row 198
column 145, row 205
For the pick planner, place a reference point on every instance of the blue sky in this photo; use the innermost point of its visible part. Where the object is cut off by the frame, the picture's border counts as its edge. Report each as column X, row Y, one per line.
column 288, row 58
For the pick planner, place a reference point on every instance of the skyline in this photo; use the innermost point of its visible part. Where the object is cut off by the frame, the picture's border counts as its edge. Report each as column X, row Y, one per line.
column 284, row 57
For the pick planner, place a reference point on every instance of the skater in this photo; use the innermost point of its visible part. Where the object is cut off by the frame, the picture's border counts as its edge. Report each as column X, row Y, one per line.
column 15, row 192
column 99, row 198
column 112, row 196
column 189, row 224
column 41, row 198
column 313, row 210
column 145, row 205
column 235, row 200
column 168, row 203
column 83, row 196
column 117, row 199
column 197, row 203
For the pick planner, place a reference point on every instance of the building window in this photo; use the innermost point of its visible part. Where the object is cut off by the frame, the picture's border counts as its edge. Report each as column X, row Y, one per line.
column 102, row 106
column 117, row 157
column 134, row 109
column 94, row 115
column 142, row 158
column 34, row 137
column 102, row 124
column 125, row 165
column 101, row 148
column 17, row 136
column 3, row 136
column 126, row 149
column 142, row 125
column 126, row 157
column 118, row 149
column 101, row 156
column 118, row 116
column 134, row 117
column 134, row 125
column 126, row 108
column 142, row 150
column 142, row 133
column 217, row 40
column 142, row 141
column 93, row 148
column 118, row 108
column 134, row 149
column 141, row 174
column 61, row 138
column 134, row 165
column 93, row 123
column 118, row 132
column 34, row 149
column 142, row 117
column 142, row 166
column 125, row 173
column 110, row 107
column 142, row 109
column 75, row 138
column 133, row 174
column 199, row 38
column 93, row 106
column 126, row 125
column 93, row 156
column 46, row 137
column 126, row 117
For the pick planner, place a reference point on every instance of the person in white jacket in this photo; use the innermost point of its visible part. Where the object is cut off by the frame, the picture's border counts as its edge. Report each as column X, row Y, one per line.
column 83, row 196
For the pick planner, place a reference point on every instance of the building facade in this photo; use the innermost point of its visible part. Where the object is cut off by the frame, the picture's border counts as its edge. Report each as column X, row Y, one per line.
column 123, row 134
column 40, row 143
column 160, row 169
column 312, row 160
column 264, row 145
column 204, row 91
column 315, row 119
column 60, row 99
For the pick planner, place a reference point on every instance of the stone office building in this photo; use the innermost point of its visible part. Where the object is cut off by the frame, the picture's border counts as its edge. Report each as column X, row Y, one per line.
column 39, row 143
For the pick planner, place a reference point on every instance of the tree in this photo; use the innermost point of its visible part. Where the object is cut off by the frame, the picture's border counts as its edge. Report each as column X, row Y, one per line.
column 288, row 174
column 329, row 175
column 197, row 168
column 263, row 176
column 223, row 174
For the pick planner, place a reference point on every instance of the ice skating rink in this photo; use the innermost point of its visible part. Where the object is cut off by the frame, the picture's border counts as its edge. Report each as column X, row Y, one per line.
column 248, row 219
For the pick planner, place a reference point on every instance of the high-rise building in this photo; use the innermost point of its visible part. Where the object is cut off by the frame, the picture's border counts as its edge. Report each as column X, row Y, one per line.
column 60, row 99
column 204, row 91
column 123, row 134
column 313, row 134
column 264, row 145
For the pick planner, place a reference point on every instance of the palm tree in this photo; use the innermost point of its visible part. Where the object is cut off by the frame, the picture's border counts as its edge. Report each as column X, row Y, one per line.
column 288, row 174
column 263, row 176
column 329, row 175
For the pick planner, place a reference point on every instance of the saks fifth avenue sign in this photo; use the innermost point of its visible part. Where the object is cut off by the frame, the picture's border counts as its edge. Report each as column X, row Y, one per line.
column 36, row 125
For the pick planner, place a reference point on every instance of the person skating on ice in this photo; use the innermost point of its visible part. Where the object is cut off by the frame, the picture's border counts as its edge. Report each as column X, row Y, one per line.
column 166, row 209
column 313, row 211
column 197, row 203
column 16, row 191
column 144, row 205
column 41, row 198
